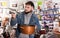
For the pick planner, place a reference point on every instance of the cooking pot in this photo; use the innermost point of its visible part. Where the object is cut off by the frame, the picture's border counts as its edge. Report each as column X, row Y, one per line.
column 27, row 29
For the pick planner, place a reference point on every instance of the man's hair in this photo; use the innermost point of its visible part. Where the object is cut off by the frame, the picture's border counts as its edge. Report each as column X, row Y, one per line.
column 30, row 3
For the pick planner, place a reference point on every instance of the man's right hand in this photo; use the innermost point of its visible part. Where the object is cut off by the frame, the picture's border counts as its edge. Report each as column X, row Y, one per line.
column 13, row 16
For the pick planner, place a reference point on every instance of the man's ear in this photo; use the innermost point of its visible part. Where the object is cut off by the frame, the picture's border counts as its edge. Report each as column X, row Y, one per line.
column 32, row 8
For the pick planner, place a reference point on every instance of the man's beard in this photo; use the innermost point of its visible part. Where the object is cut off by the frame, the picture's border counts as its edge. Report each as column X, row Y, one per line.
column 27, row 12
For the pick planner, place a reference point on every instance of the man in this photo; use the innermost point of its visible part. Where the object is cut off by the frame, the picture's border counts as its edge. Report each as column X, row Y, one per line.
column 26, row 17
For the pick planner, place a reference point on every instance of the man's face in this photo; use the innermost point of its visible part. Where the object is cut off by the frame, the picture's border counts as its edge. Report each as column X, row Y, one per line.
column 28, row 8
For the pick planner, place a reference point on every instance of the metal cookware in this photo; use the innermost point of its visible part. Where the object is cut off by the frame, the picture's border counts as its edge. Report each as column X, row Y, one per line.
column 27, row 29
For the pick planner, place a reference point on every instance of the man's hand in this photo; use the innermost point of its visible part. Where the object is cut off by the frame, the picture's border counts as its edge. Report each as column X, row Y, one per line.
column 13, row 16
